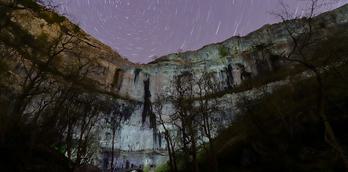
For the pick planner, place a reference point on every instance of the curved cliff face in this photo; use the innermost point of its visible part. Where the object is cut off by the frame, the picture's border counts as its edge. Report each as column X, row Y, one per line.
column 228, row 59
column 231, row 62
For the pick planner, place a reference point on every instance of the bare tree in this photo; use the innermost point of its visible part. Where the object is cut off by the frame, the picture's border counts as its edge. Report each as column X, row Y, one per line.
column 114, row 123
column 208, row 107
column 44, row 88
column 302, row 39
column 89, row 115
column 169, row 136
column 115, row 114
column 183, row 102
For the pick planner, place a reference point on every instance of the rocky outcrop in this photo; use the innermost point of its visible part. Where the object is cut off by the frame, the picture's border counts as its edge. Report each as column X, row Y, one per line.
column 37, row 30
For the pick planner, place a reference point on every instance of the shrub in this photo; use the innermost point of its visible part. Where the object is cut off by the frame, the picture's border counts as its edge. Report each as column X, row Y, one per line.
column 162, row 168
column 3, row 67
column 223, row 51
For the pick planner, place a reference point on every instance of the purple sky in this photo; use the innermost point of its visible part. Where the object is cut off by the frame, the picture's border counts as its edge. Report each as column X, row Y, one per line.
column 142, row 29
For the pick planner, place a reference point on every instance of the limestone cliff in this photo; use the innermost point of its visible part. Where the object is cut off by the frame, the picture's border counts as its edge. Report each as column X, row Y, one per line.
column 231, row 61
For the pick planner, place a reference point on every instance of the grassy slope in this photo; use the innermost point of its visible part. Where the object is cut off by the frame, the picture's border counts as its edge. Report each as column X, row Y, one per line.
column 283, row 132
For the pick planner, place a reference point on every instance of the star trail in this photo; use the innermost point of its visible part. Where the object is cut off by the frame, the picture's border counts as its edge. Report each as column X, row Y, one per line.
column 142, row 30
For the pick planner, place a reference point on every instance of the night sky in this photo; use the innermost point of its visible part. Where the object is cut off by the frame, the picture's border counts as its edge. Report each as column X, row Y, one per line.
column 143, row 29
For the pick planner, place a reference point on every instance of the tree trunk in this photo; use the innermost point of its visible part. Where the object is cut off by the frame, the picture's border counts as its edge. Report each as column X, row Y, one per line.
column 330, row 137
column 193, row 150
column 113, row 150
column 194, row 158
column 69, row 141
column 172, row 148
column 174, row 162
column 213, row 156
column 170, row 154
